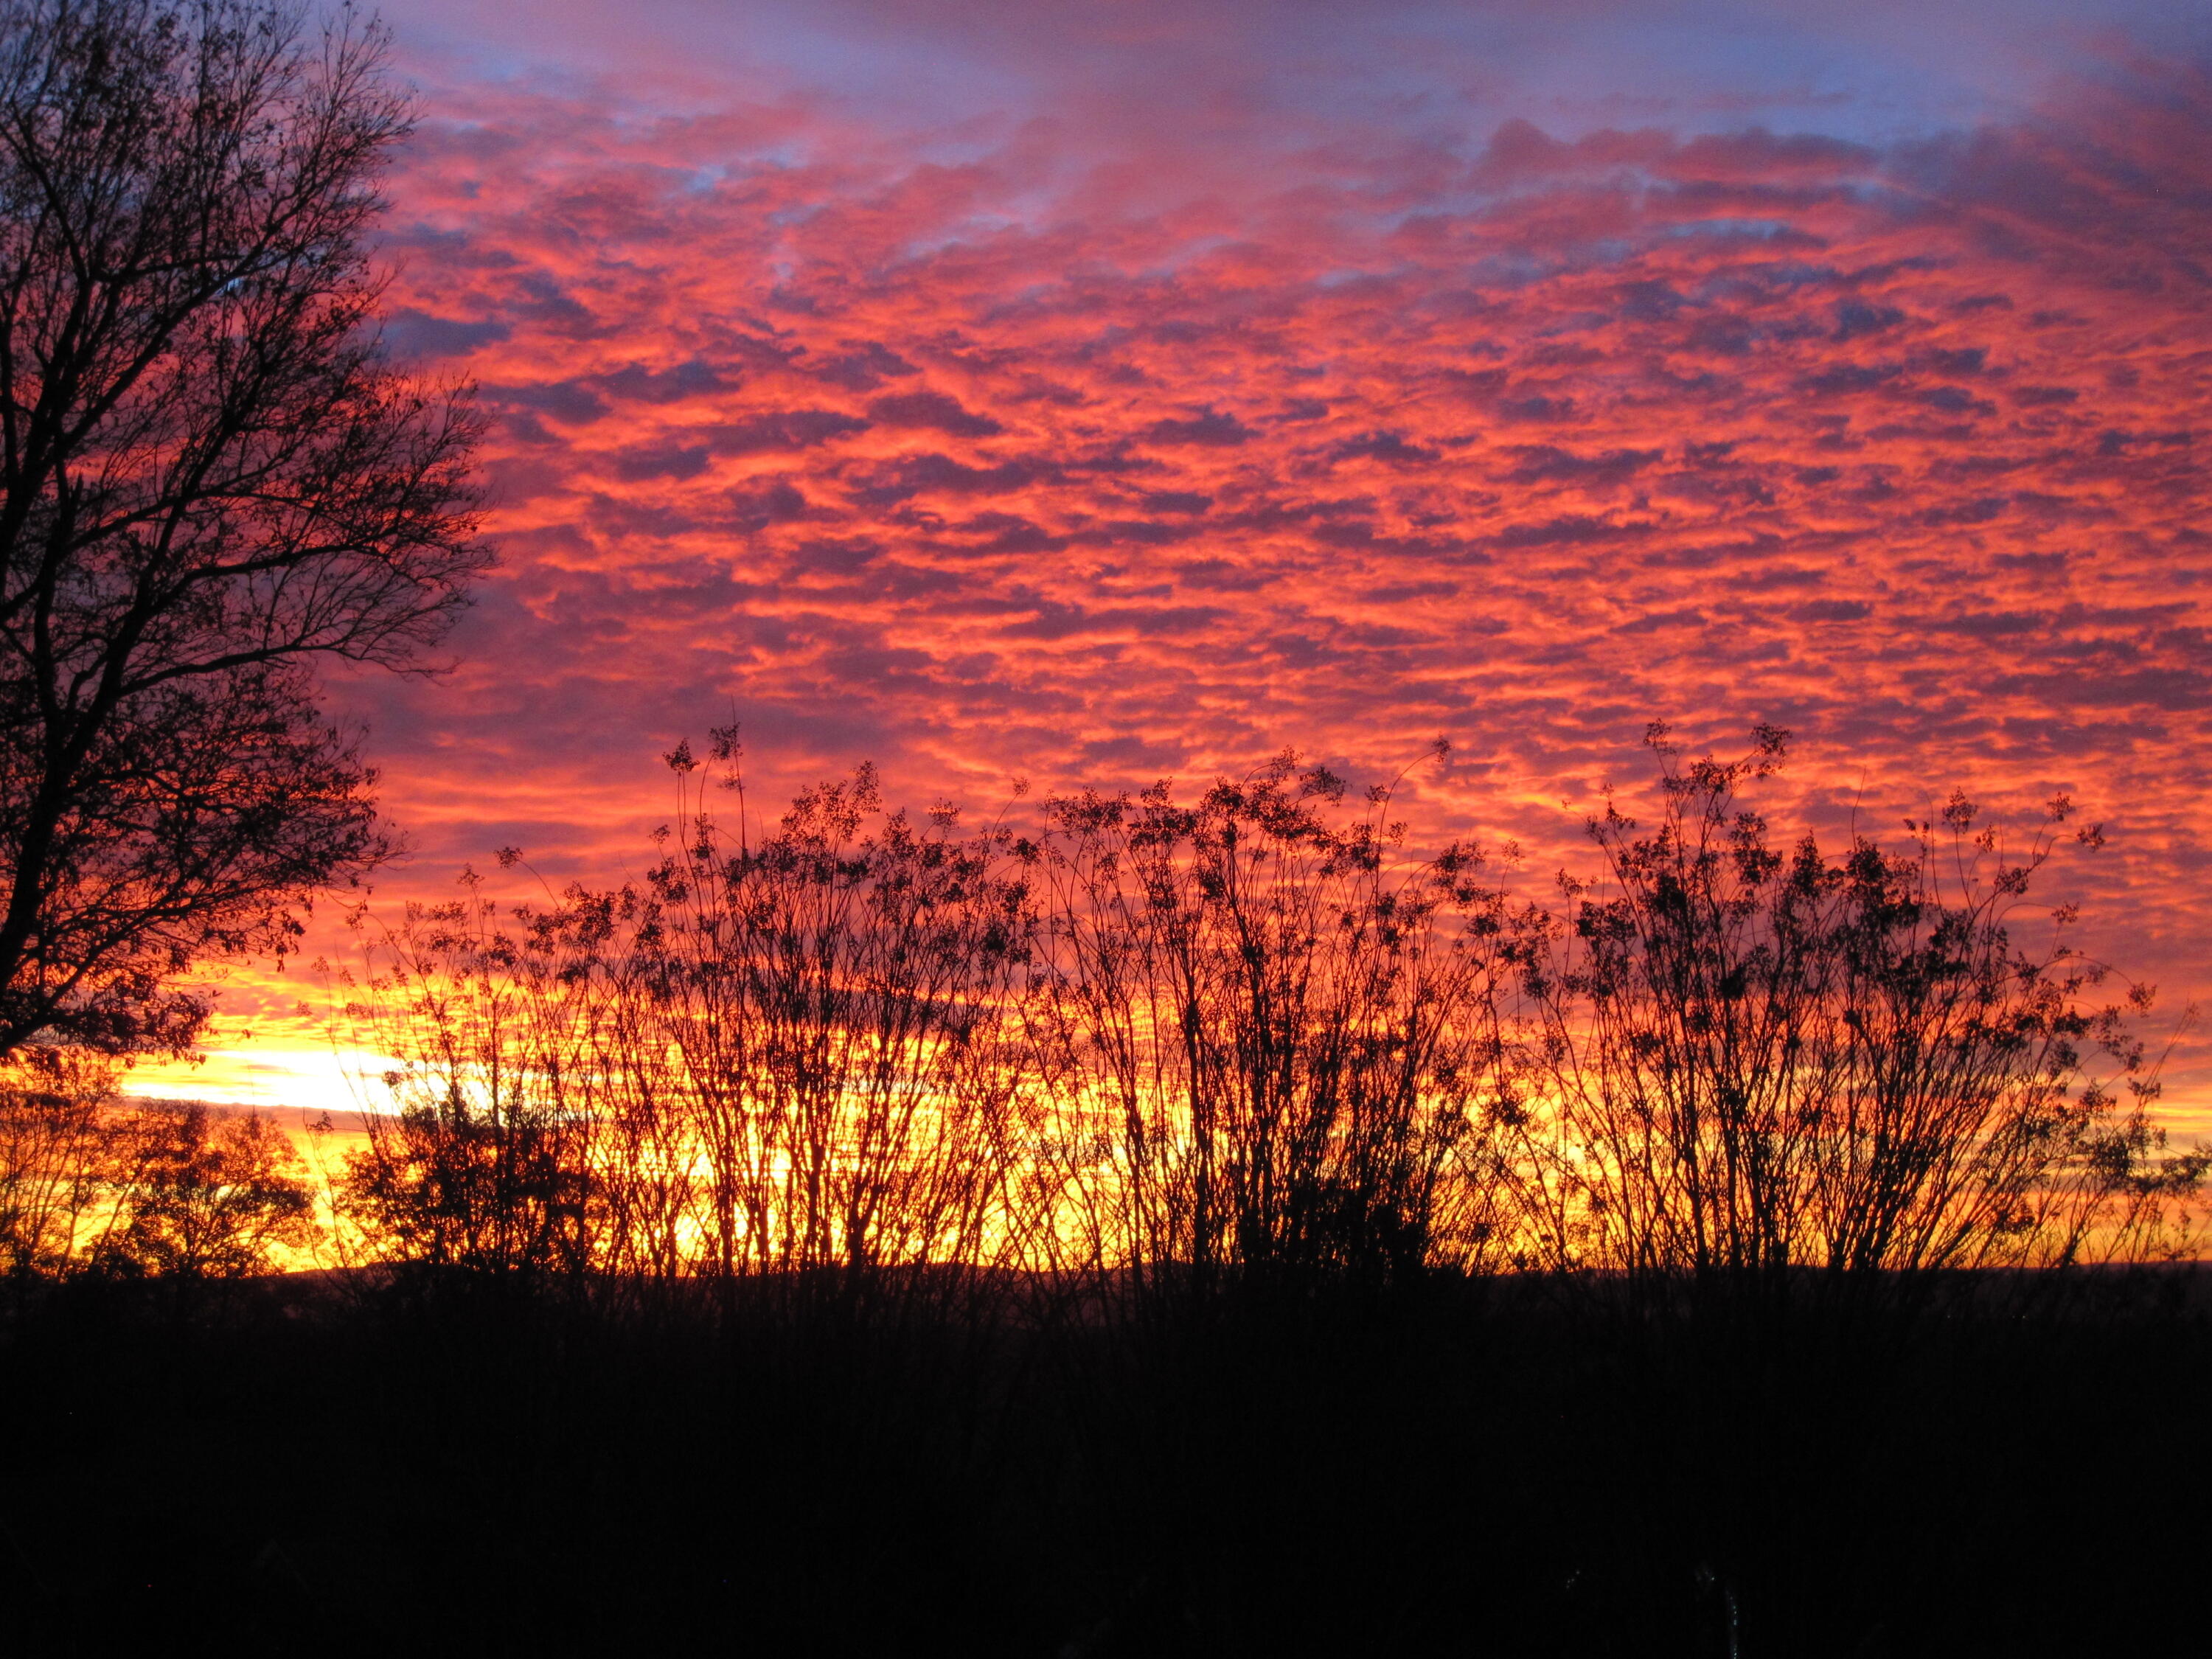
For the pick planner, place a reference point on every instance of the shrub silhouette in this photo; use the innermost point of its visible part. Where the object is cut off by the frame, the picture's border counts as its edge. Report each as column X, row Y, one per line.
column 844, row 994
column 1271, row 1034
column 486, row 1165
column 55, row 1140
column 1761, row 1060
column 792, row 1054
column 1253, row 1037
column 200, row 1197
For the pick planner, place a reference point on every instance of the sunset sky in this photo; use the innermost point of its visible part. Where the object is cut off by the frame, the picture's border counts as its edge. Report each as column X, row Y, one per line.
column 1095, row 393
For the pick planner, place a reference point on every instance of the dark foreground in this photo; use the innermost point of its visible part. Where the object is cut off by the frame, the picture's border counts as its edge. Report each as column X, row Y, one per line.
column 333, row 1467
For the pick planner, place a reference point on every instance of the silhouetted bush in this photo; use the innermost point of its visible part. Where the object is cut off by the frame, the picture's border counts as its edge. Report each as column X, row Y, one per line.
column 1760, row 1063
column 165, row 1191
column 1254, row 1039
column 485, row 1164
column 53, row 1156
column 1272, row 1036
column 200, row 1197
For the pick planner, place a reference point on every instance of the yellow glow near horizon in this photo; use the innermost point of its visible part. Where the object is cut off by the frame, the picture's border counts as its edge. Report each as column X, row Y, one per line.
column 311, row 1081
column 344, row 1081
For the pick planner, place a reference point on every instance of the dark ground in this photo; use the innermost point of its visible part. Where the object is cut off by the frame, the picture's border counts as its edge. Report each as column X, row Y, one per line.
column 332, row 1468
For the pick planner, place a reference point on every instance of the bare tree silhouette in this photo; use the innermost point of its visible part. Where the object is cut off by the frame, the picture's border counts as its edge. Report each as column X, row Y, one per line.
column 210, row 480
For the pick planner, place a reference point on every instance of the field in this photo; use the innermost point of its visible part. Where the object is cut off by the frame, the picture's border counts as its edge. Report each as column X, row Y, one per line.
column 429, row 1464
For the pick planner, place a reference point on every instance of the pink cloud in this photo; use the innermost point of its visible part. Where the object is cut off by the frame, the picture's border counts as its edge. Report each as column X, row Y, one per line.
column 1060, row 458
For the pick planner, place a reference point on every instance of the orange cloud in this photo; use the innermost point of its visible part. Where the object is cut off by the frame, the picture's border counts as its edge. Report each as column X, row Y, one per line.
column 1029, row 462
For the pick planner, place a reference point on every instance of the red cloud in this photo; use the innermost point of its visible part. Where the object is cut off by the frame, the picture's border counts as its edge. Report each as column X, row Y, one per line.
column 1004, row 466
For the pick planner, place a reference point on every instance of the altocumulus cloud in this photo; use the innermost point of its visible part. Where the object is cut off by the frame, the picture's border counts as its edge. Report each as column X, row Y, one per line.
column 1005, row 443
